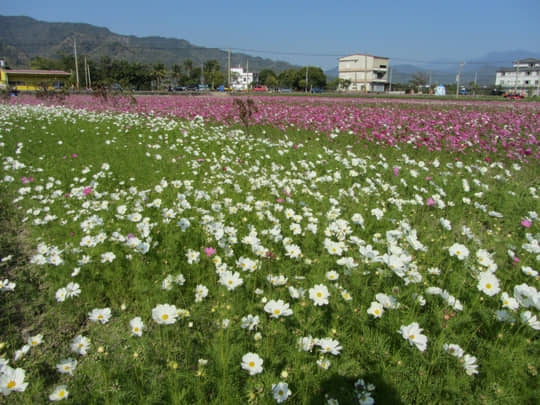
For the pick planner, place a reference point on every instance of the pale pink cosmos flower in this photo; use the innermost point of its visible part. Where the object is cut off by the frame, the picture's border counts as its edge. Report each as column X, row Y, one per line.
column 209, row 251
column 430, row 202
column 526, row 223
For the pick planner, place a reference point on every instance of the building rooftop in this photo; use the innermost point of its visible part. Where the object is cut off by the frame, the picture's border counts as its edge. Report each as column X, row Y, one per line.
column 364, row 54
column 30, row 72
column 528, row 60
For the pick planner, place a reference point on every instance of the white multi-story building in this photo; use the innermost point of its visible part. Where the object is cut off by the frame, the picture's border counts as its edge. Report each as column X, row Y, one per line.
column 366, row 73
column 524, row 76
column 240, row 80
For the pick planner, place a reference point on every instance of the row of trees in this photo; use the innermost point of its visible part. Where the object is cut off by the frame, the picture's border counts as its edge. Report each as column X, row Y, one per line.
column 138, row 76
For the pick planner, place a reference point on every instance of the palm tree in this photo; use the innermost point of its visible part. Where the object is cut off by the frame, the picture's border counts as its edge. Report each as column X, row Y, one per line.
column 176, row 72
column 188, row 66
column 158, row 72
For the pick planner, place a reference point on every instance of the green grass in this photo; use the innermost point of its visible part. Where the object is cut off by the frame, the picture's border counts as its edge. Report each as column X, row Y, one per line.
column 249, row 172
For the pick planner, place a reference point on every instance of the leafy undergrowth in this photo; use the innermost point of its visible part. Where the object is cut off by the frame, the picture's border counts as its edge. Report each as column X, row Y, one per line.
column 161, row 260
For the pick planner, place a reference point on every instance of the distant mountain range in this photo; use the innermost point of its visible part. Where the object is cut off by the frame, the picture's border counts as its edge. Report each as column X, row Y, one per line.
column 24, row 38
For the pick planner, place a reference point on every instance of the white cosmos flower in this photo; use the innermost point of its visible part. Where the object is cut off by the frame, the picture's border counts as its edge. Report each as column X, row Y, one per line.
column 509, row 302
column 137, row 326
column 319, row 294
column 459, row 251
column 164, row 314
column 453, row 349
column 61, row 294
column 230, row 280
column 100, row 315
column 80, row 345
column 277, row 308
column 329, row 345
column 201, row 292
column 12, row 380
column 469, row 364
column 108, row 257
column 488, row 283
column 59, row 393
column 250, row 322
column 252, row 363
column 376, row 309
column 530, row 319
column 413, row 334
column 67, row 366
column 281, row 392
column 332, row 275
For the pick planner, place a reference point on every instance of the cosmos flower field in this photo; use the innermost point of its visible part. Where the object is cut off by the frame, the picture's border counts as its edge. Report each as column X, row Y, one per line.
column 323, row 251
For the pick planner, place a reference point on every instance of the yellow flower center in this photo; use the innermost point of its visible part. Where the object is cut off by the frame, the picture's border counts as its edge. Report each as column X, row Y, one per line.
column 62, row 393
column 377, row 312
column 251, row 364
column 319, row 295
column 11, row 384
column 135, row 329
column 411, row 337
column 164, row 317
column 488, row 286
column 458, row 252
column 277, row 311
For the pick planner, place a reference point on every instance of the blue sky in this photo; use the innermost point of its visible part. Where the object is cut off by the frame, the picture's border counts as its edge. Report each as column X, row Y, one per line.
column 314, row 32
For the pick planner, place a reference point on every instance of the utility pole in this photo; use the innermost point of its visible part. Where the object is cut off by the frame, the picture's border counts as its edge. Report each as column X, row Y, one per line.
column 202, row 76
column 517, row 77
column 85, row 73
column 76, row 62
column 229, row 69
column 306, row 79
column 475, row 81
column 458, row 78
column 390, row 88
column 365, row 74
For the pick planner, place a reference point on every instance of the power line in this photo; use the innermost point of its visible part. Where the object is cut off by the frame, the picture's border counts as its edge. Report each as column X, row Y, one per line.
column 269, row 52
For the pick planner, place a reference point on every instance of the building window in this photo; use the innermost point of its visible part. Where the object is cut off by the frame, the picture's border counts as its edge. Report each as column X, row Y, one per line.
column 526, row 82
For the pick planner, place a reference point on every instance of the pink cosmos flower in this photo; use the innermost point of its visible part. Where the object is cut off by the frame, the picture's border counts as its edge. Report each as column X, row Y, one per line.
column 430, row 202
column 87, row 190
column 396, row 171
column 209, row 251
column 74, row 155
column 526, row 223
column 280, row 200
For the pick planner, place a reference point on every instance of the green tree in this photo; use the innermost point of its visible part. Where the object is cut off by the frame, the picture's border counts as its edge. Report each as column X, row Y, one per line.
column 212, row 73
column 287, row 78
column 46, row 64
column 188, row 67
column 269, row 78
column 316, row 77
column 158, row 73
column 176, row 72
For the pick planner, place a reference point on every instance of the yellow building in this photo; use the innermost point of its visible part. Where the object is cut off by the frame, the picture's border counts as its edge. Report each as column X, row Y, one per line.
column 31, row 80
